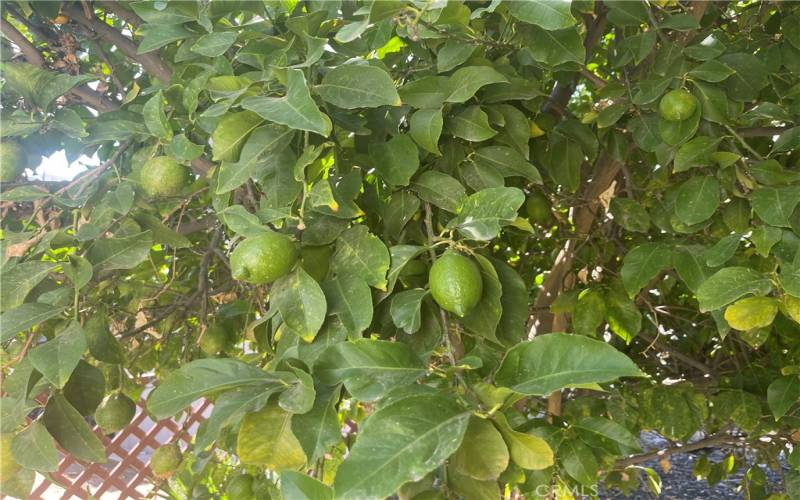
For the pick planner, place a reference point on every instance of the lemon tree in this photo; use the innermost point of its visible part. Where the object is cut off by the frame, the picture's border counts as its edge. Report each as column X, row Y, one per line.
column 408, row 248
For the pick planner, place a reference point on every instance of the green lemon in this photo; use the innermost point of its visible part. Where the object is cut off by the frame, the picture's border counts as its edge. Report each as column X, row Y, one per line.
column 163, row 176
column 456, row 283
column 115, row 413
column 12, row 160
column 231, row 134
column 538, row 208
column 240, row 487
column 751, row 312
column 677, row 105
column 263, row 258
column 8, row 466
column 316, row 261
column 165, row 460
column 214, row 340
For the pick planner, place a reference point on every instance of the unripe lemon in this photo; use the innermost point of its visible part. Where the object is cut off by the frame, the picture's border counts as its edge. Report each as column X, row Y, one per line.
column 240, row 487
column 166, row 460
column 231, row 133
column 538, row 208
column 115, row 413
column 456, row 283
column 263, row 258
column 163, row 176
column 12, row 160
column 677, row 105
column 214, row 340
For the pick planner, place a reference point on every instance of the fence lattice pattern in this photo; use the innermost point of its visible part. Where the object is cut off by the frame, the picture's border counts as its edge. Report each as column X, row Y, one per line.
column 127, row 474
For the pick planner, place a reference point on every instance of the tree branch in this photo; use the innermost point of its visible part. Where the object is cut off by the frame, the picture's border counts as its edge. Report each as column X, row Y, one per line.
column 151, row 63
column 709, row 442
column 85, row 94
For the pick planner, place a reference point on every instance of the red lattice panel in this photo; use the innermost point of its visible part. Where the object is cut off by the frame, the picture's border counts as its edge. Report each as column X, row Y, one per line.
column 127, row 474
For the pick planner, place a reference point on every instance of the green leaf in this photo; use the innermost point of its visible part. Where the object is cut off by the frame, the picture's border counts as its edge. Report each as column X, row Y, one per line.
column 624, row 318
column 396, row 160
column 185, row 150
column 127, row 252
column 589, row 313
column 579, row 461
column 40, row 86
column 555, row 47
column 71, row 431
column 465, row 82
column 642, row 264
column 204, row 376
column 749, row 76
column 513, row 303
column 25, row 316
column 297, row 485
column 729, row 284
column 552, row 362
column 650, row 90
column 782, row 394
column 452, row 54
column 548, row 14
column 739, row 407
column 18, row 281
column 713, row 101
column 764, row 238
column 774, row 205
column 483, row 455
column 214, row 44
column 602, row 432
column 360, row 253
column 352, row 86
column 300, row 395
column 296, row 110
column 35, row 449
column 485, row 316
column 229, row 408
column 471, row 124
column 56, row 358
column 425, row 127
column 318, row 430
column 401, row 209
column 695, row 153
column 697, row 199
column 368, row 368
column 426, row 92
column 349, row 298
column 157, row 36
column 406, row 309
column 712, row 71
column 161, row 234
column 440, row 190
column 630, row 214
column 301, row 302
column 484, row 213
column 787, row 141
column 426, row 429
column 155, row 119
column 527, row 450
column 266, row 439
column 400, row 256
column 508, row 162
column 722, row 251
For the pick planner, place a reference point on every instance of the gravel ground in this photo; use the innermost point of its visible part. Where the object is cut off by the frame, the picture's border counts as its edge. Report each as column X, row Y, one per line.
column 680, row 484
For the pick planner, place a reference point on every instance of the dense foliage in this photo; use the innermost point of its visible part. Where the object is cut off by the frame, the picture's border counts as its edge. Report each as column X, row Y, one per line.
column 455, row 249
